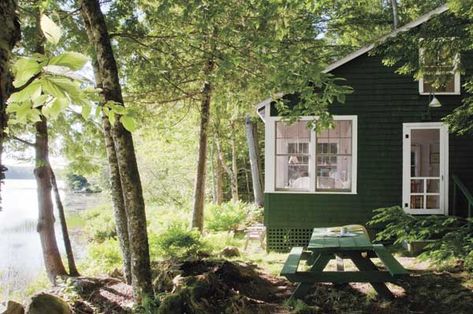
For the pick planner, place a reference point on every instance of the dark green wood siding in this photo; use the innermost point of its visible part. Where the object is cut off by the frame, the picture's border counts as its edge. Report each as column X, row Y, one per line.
column 383, row 101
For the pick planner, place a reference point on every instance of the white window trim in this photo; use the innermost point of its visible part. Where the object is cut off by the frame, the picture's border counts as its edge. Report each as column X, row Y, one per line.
column 270, row 157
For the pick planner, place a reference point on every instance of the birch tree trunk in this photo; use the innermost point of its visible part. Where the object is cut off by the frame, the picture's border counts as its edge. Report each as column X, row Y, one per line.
column 395, row 14
column 199, row 186
column 45, row 227
column 9, row 35
column 255, row 171
column 52, row 258
column 65, row 232
column 127, row 165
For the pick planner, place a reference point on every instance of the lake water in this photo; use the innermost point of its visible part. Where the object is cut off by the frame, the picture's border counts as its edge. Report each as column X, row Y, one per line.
column 21, row 258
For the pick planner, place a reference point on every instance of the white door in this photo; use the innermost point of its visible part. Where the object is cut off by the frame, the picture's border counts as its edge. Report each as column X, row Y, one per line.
column 425, row 168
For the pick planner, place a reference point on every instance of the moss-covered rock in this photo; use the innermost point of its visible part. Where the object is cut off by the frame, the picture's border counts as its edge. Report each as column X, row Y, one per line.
column 14, row 308
column 47, row 303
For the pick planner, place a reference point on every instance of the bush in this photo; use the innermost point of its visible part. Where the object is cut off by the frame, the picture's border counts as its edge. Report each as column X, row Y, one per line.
column 453, row 235
column 104, row 257
column 177, row 242
column 227, row 216
column 100, row 224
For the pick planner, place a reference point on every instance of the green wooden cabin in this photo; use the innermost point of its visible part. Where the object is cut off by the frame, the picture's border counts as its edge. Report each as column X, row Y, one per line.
column 389, row 147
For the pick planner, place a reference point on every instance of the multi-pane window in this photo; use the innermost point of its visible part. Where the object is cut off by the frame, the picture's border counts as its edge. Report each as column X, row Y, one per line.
column 439, row 69
column 306, row 161
column 334, row 157
column 292, row 156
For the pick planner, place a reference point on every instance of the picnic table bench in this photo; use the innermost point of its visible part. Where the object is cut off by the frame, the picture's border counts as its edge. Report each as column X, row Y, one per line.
column 325, row 245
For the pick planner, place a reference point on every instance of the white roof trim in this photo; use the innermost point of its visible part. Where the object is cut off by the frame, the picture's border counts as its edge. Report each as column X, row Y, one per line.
column 267, row 101
column 424, row 18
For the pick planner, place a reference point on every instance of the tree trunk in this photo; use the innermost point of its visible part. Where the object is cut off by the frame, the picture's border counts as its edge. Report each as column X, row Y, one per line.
column 199, row 186
column 125, row 152
column 219, row 181
column 231, row 172
column 234, row 174
column 395, row 14
column 65, row 233
column 45, row 227
column 255, row 172
column 121, row 219
column 213, row 174
column 119, row 210
column 9, row 35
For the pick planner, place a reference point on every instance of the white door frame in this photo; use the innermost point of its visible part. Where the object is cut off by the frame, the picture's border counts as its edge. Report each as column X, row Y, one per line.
column 443, row 166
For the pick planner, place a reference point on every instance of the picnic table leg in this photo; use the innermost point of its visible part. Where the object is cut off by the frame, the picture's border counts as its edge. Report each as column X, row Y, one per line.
column 320, row 262
column 365, row 264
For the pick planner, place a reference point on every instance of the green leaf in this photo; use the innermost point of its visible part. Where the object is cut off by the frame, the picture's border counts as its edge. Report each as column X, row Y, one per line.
column 40, row 100
column 31, row 91
column 51, row 31
column 86, row 109
column 54, row 108
column 111, row 117
column 129, row 123
column 73, row 60
column 25, row 68
column 49, row 86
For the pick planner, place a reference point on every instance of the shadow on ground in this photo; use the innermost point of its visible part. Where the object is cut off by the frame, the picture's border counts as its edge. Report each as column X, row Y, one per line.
column 421, row 292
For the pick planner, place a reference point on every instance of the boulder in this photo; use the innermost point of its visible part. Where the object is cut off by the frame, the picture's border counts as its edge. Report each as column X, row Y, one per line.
column 43, row 303
column 230, row 251
column 14, row 308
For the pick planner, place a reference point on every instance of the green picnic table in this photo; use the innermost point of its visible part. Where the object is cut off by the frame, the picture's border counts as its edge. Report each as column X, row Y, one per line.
column 329, row 243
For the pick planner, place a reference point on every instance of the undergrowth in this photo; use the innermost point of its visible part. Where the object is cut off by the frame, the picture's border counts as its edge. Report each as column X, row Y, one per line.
column 453, row 236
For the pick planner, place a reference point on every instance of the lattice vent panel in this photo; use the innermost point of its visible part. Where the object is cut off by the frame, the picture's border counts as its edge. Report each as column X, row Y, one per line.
column 283, row 239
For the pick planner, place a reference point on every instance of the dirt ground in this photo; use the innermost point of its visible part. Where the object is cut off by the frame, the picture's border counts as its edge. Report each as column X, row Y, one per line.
column 219, row 286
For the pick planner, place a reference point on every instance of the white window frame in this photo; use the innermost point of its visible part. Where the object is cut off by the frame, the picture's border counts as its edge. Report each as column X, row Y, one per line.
column 456, row 83
column 270, row 157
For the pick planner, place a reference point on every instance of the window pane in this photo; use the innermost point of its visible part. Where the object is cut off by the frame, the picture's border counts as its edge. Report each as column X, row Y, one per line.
column 345, row 146
column 291, row 173
column 292, row 156
column 296, row 130
column 417, row 186
column 334, row 158
column 345, row 128
column 425, row 153
column 438, row 62
column 433, row 185
column 433, row 201
column 417, row 201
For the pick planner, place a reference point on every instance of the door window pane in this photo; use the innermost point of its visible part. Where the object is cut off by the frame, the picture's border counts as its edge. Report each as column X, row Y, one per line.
column 417, row 201
column 433, row 201
column 417, row 186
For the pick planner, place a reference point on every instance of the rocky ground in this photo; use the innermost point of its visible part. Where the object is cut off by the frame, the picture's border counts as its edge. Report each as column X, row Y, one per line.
column 219, row 286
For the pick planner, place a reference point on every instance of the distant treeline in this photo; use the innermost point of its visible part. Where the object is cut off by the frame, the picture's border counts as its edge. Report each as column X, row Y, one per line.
column 19, row 172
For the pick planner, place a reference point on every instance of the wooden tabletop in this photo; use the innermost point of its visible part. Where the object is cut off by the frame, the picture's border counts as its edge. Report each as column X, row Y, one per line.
column 324, row 240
